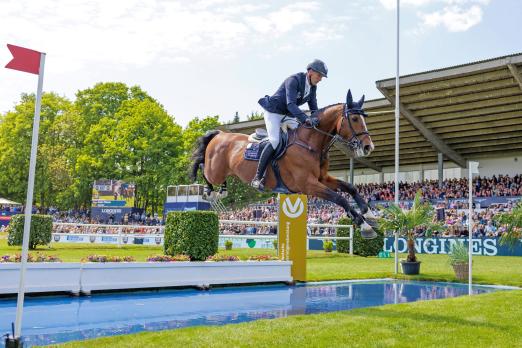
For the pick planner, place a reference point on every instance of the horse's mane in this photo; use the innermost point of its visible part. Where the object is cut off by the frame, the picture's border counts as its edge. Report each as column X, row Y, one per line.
column 320, row 112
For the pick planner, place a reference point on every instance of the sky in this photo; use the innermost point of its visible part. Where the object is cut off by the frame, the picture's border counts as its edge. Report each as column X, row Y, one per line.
column 218, row 57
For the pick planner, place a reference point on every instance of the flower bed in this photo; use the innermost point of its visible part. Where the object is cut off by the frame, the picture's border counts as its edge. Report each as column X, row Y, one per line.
column 220, row 258
column 168, row 258
column 262, row 258
column 30, row 258
column 105, row 258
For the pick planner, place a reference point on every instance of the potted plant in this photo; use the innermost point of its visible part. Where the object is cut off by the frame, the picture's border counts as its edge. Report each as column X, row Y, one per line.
column 459, row 260
column 228, row 245
column 328, row 245
column 405, row 222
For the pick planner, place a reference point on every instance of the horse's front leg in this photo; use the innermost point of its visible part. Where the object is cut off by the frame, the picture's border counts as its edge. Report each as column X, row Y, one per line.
column 336, row 184
column 321, row 190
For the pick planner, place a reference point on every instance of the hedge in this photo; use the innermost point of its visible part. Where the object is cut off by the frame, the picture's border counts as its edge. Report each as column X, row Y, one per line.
column 40, row 234
column 361, row 247
column 193, row 233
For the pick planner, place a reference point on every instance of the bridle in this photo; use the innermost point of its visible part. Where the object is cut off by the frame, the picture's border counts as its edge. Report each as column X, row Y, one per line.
column 354, row 143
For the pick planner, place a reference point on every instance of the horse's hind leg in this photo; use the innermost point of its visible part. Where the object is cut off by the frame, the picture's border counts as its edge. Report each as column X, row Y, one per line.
column 223, row 190
column 336, row 184
column 321, row 190
column 209, row 188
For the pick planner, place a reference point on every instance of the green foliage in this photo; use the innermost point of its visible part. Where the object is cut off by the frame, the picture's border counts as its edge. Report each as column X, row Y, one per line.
column 327, row 245
column 458, row 254
column 192, row 233
column 362, row 247
column 241, row 194
column 421, row 214
column 343, row 246
column 255, row 116
column 513, row 223
column 228, row 245
column 274, row 243
column 40, row 233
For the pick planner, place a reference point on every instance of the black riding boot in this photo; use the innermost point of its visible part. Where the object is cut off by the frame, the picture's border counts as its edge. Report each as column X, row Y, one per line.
column 264, row 159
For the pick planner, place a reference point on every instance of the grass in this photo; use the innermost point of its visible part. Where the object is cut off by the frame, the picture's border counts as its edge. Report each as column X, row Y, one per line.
column 489, row 320
column 504, row 270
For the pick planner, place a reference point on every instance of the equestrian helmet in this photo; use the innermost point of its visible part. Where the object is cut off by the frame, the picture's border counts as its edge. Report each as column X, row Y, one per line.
column 319, row 66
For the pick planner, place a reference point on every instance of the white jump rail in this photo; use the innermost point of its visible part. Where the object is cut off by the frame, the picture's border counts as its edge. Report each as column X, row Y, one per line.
column 121, row 229
column 275, row 223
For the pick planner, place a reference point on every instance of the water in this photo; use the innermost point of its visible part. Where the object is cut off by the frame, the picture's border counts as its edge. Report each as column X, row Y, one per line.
column 49, row 320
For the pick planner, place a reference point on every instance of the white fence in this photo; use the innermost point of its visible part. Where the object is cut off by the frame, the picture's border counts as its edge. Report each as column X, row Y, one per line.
column 153, row 235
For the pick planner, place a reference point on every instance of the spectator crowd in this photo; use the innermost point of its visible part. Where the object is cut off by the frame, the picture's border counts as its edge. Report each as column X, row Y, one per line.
column 452, row 213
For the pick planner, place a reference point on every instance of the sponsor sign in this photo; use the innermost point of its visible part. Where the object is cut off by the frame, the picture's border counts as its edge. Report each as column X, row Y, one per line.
column 292, row 233
column 480, row 246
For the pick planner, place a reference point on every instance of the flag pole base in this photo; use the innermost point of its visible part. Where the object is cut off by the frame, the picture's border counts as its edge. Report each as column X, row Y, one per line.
column 11, row 342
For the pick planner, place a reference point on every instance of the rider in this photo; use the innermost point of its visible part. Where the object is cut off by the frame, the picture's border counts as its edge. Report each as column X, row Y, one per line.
column 296, row 90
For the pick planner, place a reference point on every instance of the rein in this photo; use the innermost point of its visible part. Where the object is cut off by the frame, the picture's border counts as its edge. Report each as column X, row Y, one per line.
column 353, row 143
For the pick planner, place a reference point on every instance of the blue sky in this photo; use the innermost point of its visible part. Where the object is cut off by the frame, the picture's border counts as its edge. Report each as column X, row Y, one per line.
column 216, row 57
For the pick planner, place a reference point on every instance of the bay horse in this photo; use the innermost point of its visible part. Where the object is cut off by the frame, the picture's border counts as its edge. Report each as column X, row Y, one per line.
column 304, row 166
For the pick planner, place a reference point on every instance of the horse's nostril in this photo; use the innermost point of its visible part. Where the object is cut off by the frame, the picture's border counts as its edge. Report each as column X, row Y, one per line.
column 367, row 149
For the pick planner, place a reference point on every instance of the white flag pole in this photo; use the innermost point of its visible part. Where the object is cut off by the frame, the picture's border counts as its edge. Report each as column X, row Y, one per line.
column 29, row 199
column 397, row 101
column 473, row 169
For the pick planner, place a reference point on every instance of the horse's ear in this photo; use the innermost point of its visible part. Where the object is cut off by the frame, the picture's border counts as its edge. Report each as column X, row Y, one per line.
column 361, row 102
column 349, row 99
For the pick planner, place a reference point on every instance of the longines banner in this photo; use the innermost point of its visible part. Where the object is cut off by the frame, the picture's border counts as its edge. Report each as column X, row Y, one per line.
column 481, row 246
column 292, row 240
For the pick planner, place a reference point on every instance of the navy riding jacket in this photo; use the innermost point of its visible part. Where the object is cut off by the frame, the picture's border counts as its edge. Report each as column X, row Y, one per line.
column 289, row 96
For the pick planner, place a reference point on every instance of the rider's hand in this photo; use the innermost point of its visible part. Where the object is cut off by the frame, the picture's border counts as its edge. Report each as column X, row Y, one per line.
column 312, row 121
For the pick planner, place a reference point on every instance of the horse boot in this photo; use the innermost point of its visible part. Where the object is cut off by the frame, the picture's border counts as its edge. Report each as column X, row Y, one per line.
column 264, row 159
column 367, row 232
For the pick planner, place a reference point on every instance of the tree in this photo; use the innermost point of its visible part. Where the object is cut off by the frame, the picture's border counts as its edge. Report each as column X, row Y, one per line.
column 255, row 116
column 236, row 118
column 54, row 161
column 405, row 222
column 140, row 144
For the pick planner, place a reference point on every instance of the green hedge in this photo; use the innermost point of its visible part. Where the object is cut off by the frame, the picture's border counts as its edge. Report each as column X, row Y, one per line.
column 41, row 230
column 193, row 233
column 361, row 247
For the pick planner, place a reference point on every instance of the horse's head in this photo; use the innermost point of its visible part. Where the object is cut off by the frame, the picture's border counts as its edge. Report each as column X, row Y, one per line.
column 351, row 126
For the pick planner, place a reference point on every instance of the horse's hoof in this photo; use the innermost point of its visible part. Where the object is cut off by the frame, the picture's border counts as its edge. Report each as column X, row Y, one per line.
column 371, row 220
column 367, row 232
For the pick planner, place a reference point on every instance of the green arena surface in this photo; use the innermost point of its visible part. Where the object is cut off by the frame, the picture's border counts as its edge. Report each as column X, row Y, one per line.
column 489, row 320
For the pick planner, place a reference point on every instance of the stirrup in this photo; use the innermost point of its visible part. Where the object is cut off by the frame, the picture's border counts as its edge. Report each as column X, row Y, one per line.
column 258, row 184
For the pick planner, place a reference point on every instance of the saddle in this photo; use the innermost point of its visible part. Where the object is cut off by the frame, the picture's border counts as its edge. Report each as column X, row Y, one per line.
column 259, row 139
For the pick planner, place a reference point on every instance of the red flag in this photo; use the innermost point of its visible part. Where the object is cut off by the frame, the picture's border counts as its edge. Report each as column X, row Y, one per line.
column 24, row 59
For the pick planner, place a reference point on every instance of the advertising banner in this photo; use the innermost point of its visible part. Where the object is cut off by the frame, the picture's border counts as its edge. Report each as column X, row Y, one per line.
column 292, row 241
column 481, row 246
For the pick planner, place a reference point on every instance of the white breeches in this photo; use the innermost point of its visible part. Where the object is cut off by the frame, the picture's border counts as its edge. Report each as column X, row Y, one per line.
column 273, row 126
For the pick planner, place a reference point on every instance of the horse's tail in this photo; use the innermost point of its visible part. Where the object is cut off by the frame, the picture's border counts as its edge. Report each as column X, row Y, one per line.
column 198, row 157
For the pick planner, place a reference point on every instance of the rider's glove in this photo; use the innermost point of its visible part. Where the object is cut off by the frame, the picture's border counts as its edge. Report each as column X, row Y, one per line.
column 312, row 121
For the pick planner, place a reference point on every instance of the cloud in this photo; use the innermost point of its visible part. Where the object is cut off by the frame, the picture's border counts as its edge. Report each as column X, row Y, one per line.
column 455, row 15
column 453, row 18
column 392, row 4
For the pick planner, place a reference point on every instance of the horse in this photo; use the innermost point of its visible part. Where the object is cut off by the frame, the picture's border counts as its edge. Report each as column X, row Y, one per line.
column 304, row 166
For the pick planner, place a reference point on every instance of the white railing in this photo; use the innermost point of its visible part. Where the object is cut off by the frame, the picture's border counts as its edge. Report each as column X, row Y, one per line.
column 310, row 225
column 118, row 231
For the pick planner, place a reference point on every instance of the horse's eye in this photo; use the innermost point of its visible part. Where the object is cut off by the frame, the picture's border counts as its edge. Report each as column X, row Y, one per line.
column 355, row 119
